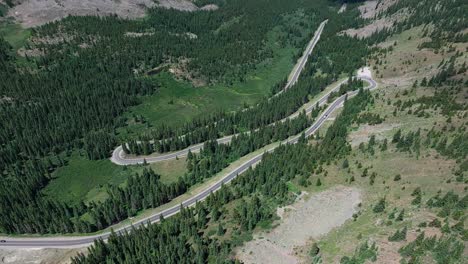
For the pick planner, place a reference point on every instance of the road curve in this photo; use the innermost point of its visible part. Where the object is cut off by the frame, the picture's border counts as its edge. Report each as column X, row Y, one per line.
column 118, row 155
column 71, row 242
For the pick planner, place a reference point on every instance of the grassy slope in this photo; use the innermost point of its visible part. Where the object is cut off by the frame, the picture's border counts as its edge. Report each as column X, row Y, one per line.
column 14, row 34
column 86, row 180
column 430, row 171
column 73, row 182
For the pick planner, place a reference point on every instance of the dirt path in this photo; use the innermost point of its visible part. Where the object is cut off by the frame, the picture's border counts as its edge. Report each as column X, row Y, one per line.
column 308, row 218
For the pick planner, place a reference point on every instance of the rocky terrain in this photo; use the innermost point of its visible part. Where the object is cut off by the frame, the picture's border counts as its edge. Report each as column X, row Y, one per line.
column 32, row 13
column 309, row 218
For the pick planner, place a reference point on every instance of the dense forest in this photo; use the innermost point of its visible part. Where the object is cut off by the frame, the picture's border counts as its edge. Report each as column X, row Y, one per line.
column 257, row 193
column 90, row 70
column 260, row 190
column 59, row 112
column 328, row 59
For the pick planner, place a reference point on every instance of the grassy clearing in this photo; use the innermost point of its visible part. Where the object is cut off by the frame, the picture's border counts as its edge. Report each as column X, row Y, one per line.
column 293, row 188
column 87, row 180
column 170, row 170
column 177, row 102
column 14, row 34
column 83, row 179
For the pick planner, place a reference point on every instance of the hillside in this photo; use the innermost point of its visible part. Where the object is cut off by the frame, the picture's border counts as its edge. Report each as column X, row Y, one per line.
column 407, row 180
column 30, row 13
column 74, row 84
column 376, row 174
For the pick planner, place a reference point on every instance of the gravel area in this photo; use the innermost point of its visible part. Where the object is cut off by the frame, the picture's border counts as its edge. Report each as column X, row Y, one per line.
column 369, row 10
column 31, row 13
column 309, row 218
column 184, row 5
column 38, row 256
column 363, row 134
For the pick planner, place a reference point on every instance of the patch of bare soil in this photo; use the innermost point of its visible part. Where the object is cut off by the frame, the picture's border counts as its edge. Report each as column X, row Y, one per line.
column 210, row 7
column 369, row 10
column 309, row 218
column 366, row 131
column 183, row 5
column 4, row 98
column 32, row 13
column 180, row 71
column 53, row 40
column 38, row 256
column 23, row 52
column 342, row 9
column 138, row 34
column 388, row 251
column 376, row 25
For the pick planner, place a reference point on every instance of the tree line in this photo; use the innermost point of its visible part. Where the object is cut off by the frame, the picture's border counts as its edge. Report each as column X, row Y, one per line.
column 257, row 192
column 90, row 71
column 328, row 58
column 41, row 122
column 141, row 191
column 266, row 112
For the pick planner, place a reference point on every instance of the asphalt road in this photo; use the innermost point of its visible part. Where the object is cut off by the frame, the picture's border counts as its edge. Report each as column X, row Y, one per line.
column 297, row 70
column 119, row 158
column 70, row 242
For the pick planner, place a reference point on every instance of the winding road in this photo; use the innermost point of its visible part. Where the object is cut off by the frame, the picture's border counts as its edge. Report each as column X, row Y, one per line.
column 118, row 155
column 71, row 242
column 118, row 158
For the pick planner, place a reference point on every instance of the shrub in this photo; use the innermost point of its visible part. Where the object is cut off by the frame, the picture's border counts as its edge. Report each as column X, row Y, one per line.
column 380, row 206
column 399, row 235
